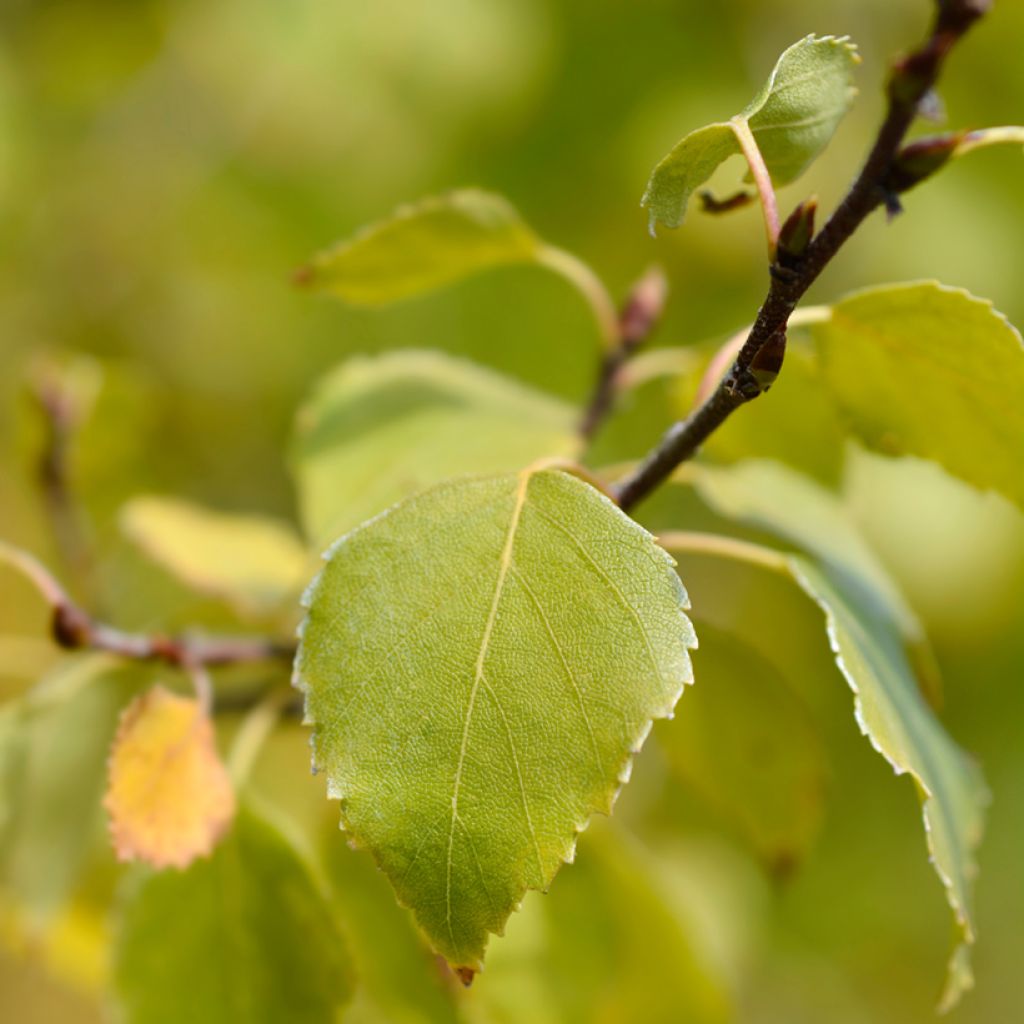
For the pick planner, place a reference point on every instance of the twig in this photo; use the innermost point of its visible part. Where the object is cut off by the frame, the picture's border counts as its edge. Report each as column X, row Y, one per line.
column 911, row 81
column 74, row 629
column 634, row 324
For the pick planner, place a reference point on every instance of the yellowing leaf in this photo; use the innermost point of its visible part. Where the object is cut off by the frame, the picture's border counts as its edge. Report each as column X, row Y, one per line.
column 169, row 796
column 792, row 119
column 252, row 561
column 480, row 664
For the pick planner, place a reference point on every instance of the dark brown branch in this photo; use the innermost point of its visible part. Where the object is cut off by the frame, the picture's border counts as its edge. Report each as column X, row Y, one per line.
column 637, row 319
column 911, row 81
column 75, row 629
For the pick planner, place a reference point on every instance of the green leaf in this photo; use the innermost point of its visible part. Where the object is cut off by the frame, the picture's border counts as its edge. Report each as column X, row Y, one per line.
column 480, row 663
column 439, row 241
column 792, row 119
column 379, row 429
column 749, row 747
column 254, row 562
column 921, row 369
column 244, row 936
column 399, row 979
column 868, row 632
column 54, row 760
column 591, row 949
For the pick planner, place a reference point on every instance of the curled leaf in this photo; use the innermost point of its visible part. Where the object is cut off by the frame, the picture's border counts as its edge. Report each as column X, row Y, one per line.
column 169, row 796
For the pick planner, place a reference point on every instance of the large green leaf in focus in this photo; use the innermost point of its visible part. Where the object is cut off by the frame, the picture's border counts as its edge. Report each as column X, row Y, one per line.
column 379, row 429
column 480, row 663
column 868, row 639
column 792, row 119
column 921, row 369
column 748, row 746
column 244, row 936
column 53, row 766
column 252, row 561
column 610, row 943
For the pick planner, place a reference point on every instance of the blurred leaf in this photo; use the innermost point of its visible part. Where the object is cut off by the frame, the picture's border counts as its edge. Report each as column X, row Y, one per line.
column 253, row 562
column 747, row 745
column 439, row 639
column 53, row 751
column 892, row 713
column 439, row 241
column 169, row 796
column 379, row 429
column 591, row 949
column 792, row 119
column 244, row 936
column 921, row 369
column 424, row 246
column 400, row 980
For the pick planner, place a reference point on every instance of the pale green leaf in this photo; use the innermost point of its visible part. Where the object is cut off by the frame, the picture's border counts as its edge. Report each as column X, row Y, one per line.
column 379, row 429
column 480, row 663
column 244, row 936
column 792, row 119
column 423, row 246
column 610, row 943
column 867, row 637
column 53, row 764
column 252, row 561
column 921, row 369
column 748, row 746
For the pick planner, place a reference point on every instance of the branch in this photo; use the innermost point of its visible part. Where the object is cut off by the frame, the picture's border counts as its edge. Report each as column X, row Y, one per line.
column 74, row 629
column 634, row 324
column 794, row 269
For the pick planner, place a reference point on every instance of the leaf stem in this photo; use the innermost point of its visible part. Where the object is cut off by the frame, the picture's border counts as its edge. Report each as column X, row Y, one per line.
column 589, row 285
column 912, row 79
column 762, row 180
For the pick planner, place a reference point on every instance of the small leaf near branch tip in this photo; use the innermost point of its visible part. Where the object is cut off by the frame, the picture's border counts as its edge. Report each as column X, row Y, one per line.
column 169, row 797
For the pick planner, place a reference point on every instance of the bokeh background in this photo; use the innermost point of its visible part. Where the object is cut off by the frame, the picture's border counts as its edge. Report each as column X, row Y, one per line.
column 165, row 165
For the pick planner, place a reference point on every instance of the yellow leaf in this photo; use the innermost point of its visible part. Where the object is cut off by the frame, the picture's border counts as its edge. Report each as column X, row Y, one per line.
column 168, row 796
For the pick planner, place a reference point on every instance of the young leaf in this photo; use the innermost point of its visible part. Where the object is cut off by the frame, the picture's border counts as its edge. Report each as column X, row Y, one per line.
column 480, row 663
column 244, row 936
column 921, row 369
column 251, row 561
column 168, row 796
column 867, row 637
column 379, row 429
column 52, row 770
column 748, row 746
column 792, row 119
column 439, row 241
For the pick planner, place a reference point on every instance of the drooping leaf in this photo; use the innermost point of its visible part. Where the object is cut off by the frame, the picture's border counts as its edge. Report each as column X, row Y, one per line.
column 246, row 935
column 889, row 707
column 251, row 561
column 400, row 980
column 168, row 796
column 748, row 746
column 380, row 429
column 792, row 119
column 55, row 741
column 609, row 943
column 439, row 241
column 922, row 369
column 480, row 663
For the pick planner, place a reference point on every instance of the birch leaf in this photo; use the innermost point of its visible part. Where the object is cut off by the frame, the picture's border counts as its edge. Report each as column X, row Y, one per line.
column 792, row 119
column 168, row 796
column 479, row 664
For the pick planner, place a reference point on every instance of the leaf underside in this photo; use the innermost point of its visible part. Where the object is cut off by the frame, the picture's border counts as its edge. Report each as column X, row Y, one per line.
column 480, row 663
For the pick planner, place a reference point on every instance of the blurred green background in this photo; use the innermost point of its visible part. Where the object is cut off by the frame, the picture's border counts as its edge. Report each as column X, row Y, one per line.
column 165, row 165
